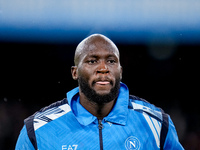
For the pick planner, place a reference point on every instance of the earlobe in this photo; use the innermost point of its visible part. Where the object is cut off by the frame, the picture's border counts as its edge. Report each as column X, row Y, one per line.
column 74, row 72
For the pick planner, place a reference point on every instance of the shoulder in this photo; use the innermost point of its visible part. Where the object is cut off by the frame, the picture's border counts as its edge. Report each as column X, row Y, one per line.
column 44, row 116
column 143, row 106
column 48, row 114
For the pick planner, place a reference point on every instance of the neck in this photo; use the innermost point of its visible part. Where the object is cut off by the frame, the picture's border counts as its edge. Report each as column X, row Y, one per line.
column 98, row 110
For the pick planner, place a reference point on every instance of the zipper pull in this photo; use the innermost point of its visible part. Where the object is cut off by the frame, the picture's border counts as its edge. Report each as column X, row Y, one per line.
column 100, row 124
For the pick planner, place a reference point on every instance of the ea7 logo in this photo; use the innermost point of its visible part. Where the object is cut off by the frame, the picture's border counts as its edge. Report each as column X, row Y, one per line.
column 132, row 143
column 69, row 147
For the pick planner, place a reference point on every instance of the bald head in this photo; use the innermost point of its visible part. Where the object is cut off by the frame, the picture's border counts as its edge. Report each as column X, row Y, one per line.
column 92, row 42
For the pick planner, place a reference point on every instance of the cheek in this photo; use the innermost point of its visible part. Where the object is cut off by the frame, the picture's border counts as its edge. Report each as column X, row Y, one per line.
column 85, row 73
column 117, row 73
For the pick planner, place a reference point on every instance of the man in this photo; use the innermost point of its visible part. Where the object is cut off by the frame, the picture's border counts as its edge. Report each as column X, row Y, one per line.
column 100, row 113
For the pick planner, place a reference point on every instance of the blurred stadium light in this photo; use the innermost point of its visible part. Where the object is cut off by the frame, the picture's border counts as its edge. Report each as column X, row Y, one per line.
column 127, row 21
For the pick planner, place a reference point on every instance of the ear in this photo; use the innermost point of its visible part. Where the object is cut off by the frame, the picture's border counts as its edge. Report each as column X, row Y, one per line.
column 121, row 70
column 74, row 72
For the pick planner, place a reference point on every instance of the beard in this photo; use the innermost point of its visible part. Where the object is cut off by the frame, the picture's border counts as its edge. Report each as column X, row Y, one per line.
column 93, row 96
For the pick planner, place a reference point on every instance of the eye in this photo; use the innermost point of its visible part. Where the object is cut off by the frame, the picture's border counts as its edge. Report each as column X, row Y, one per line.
column 92, row 61
column 111, row 61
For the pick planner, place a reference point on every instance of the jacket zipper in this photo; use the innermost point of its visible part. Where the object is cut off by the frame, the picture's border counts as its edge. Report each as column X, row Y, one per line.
column 100, row 126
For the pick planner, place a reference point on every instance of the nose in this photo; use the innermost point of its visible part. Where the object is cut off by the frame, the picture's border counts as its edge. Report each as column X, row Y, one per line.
column 102, row 68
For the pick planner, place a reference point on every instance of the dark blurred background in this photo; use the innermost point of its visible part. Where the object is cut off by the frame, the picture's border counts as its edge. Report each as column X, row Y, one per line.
column 158, row 43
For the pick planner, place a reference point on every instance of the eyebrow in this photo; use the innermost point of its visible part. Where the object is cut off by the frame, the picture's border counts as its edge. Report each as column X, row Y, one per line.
column 93, row 55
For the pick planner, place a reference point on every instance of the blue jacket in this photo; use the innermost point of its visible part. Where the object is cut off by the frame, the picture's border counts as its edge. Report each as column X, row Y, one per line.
column 133, row 124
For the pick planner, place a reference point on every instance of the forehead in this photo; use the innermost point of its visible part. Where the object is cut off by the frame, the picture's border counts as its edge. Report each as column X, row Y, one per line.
column 99, row 50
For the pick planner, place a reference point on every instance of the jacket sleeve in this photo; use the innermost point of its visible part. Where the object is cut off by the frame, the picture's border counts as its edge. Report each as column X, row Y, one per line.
column 23, row 142
column 172, row 141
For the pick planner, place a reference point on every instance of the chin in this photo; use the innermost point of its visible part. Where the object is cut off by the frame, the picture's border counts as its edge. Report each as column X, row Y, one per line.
column 102, row 93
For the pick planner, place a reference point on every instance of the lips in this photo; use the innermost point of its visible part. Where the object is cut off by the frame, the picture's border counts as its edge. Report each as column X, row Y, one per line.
column 101, row 81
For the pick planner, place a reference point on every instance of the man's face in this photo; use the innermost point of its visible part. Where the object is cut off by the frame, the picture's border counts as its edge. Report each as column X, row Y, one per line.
column 99, row 71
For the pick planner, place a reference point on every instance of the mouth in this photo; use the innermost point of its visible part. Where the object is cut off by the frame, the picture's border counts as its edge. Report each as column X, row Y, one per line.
column 103, row 82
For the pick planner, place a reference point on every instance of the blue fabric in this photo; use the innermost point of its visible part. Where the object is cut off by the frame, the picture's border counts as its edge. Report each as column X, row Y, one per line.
column 23, row 142
column 127, row 127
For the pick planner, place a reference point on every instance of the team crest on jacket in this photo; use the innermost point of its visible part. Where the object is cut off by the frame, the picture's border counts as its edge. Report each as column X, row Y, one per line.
column 132, row 143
